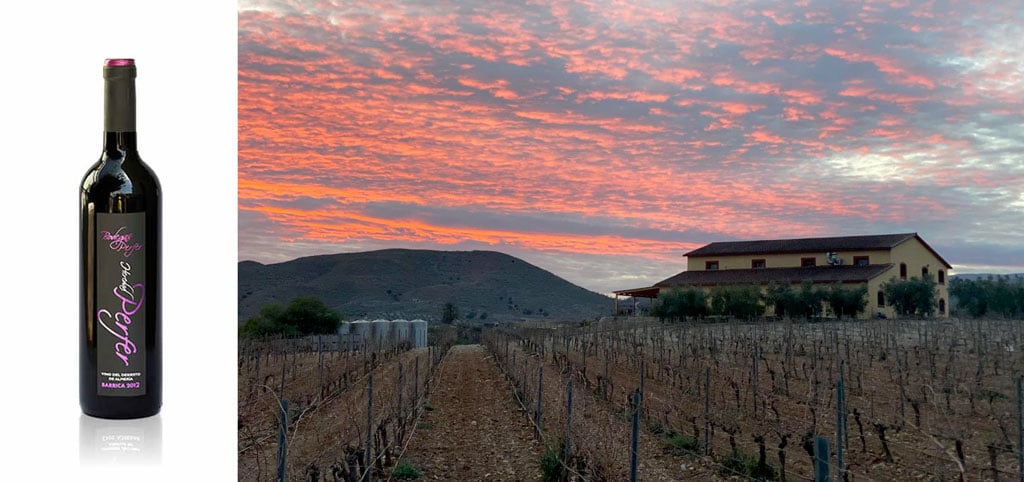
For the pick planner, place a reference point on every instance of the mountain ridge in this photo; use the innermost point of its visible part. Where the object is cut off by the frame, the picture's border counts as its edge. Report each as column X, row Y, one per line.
column 416, row 283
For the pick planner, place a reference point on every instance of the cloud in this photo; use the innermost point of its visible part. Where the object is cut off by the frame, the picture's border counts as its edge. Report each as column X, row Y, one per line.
column 572, row 131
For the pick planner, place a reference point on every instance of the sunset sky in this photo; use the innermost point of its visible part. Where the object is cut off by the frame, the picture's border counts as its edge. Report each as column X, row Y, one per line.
column 601, row 140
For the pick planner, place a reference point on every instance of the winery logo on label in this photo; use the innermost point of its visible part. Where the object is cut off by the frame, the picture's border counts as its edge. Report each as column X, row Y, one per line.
column 131, row 297
column 120, row 241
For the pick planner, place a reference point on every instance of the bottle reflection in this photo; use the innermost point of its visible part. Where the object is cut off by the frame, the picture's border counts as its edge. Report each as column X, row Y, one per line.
column 119, row 442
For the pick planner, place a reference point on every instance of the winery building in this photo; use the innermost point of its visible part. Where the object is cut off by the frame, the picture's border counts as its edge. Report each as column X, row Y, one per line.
column 852, row 260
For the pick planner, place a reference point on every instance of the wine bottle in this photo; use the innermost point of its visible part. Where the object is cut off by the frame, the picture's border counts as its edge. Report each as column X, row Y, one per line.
column 119, row 340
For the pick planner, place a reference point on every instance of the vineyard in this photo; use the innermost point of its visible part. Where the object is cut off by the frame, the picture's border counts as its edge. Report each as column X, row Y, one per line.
column 932, row 400
column 327, row 411
column 911, row 399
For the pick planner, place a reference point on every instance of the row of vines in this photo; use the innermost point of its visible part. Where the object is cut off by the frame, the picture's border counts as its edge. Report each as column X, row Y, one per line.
column 922, row 399
column 322, row 408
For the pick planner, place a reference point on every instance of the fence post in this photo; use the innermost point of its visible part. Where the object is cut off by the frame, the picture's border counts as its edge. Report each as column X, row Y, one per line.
column 635, row 438
column 282, row 443
column 821, row 456
column 540, row 387
column 568, row 424
column 369, row 429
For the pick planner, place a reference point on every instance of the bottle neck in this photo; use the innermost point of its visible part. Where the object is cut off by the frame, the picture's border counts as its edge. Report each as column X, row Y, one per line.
column 119, row 98
column 119, row 142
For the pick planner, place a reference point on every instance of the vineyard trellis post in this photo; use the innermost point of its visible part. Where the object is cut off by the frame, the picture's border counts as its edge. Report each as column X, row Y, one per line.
column 1020, row 431
column 540, row 388
column 282, row 443
column 568, row 423
column 821, row 455
column 643, row 378
column 369, row 428
column 840, row 424
column 754, row 375
column 320, row 361
column 401, row 419
column 707, row 411
column 635, row 436
column 903, row 391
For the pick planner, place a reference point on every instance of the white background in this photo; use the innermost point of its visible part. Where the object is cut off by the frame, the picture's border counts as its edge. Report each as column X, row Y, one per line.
column 51, row 122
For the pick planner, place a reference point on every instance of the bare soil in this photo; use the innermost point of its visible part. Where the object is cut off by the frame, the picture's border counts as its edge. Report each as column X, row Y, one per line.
column 475, row 429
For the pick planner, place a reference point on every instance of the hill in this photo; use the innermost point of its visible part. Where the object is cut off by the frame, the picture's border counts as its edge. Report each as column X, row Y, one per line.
column 975, row 276
column 403, row 283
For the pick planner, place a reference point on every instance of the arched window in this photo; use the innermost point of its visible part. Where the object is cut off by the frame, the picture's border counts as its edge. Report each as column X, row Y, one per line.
column 942, row 306
column 924, row 272
column 942, row 277
column 881, row 299
column 903, row 270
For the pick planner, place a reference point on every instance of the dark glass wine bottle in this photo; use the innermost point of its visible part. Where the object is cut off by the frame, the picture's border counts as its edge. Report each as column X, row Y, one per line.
column 119, row 341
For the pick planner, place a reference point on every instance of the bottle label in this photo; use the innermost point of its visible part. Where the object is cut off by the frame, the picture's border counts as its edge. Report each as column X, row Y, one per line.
column 121, row 304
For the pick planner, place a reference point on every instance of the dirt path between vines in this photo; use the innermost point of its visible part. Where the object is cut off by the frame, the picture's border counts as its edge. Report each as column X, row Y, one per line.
column 475, row 430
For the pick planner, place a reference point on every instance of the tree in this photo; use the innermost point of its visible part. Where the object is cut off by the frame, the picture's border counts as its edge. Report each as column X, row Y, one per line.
column 970, row 295
column 808, row 302
column 678, row 304
column 777, row 296
column 450, row 313
column 846, row 302
column 992, row 295
column 740, row 301
column 304, row 315
column 912, row 297
column 266, row 323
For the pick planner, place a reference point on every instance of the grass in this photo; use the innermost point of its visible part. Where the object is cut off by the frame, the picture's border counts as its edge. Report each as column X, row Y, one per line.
column 680, row 445
column 746, row 465
column 550, row 467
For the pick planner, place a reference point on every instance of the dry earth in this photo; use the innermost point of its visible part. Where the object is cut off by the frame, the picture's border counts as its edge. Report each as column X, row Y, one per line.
column 475, row 430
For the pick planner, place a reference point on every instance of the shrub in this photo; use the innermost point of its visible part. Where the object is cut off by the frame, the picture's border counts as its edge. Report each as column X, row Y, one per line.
column 406, row 471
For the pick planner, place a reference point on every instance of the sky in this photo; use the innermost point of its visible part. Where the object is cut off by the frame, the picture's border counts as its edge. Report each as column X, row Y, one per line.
column 602, row 140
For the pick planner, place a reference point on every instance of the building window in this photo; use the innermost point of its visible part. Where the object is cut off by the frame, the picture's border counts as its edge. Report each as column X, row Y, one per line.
column 861, row 261
column 807, row 262
column 903, row 270
column 924, row 272
column 757, row 263
column 942, row 306
column 711, row 265
column 942, row 277
column 881, row 299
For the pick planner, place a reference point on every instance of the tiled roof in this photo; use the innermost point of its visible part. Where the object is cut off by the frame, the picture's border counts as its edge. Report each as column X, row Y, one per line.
column 816, row 274
column 803, row 245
